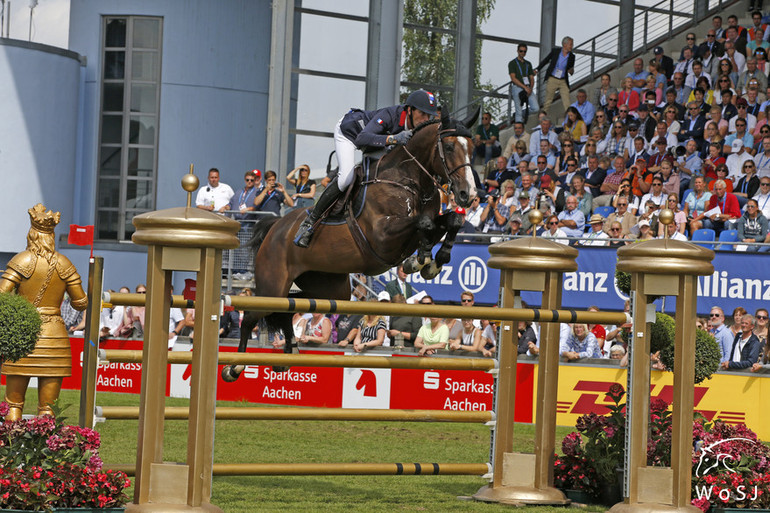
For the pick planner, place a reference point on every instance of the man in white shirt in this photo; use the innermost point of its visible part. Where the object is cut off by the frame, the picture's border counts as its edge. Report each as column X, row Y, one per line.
column 674, row 234
column 596, row 237
column 762, row 159
column 742, row 105
column 545, row 133
column 656, row 194
column 736, row 159
column 697, row 72
column 762, row 196
column 214, row 197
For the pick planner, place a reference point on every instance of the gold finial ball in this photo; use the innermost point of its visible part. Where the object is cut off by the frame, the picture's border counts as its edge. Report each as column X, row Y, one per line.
column 190, row 182
column 666, row 216
column 535, row 217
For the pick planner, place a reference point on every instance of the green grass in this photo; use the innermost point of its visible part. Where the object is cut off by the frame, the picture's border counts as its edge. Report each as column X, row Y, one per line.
column 329, row 441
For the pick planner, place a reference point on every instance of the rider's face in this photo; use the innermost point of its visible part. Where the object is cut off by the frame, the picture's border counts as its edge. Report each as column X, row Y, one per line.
column 419, row 116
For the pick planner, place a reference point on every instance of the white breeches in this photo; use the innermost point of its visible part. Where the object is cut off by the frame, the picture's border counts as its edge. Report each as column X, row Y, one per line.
column 346, row 157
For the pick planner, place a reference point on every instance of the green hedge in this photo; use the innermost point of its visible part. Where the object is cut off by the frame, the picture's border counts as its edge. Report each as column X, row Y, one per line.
column 19, row 327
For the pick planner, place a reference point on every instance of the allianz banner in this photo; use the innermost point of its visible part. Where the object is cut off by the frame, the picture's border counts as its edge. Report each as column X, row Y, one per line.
column 739, row 279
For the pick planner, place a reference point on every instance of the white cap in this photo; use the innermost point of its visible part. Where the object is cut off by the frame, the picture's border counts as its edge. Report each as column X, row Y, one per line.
column 383, row 296
column 737, row 144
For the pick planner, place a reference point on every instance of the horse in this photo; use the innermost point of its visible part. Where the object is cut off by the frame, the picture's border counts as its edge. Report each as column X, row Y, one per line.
column 400, row 214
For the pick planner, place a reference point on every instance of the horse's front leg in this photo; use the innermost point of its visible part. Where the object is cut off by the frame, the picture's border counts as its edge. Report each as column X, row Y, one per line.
column 425, row 230
column 448, row 224
column 250, row 319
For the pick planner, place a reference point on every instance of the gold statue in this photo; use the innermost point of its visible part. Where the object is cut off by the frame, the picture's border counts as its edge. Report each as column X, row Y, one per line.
column 42, row 276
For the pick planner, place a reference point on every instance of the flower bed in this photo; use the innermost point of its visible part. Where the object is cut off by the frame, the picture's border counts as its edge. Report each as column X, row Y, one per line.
column 731, row 467
column 47, row 465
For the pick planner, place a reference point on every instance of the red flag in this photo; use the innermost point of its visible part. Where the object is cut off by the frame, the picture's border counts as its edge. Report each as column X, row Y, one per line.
column 189, row 289
column 81, row 235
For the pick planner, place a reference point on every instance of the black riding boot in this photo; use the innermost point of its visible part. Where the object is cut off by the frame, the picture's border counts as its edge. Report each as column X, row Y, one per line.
column 305, row 230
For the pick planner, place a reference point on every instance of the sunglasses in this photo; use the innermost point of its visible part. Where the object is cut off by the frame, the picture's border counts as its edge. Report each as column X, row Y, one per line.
column 141, row 292
column 553, row 223
column 765, row 184
column 657, row 184
column 570, row 165
column 715, row 315
column 614, row 229
column 466, row 300
column 249, row 179
column 622, row 204
column 763, row 317
column 742, row 106
column 691, row 39
column 623, row 110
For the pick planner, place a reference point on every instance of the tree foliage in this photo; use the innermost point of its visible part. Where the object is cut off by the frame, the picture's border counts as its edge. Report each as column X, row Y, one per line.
column 429, row 55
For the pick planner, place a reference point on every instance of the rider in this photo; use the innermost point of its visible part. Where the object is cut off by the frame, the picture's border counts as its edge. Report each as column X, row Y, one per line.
column 367, row 128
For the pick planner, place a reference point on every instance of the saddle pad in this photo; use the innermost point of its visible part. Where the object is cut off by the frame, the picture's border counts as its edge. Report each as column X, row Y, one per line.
column 355, row 196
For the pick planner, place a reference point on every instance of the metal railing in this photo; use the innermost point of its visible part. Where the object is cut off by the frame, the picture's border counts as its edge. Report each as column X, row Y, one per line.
column 650, row 27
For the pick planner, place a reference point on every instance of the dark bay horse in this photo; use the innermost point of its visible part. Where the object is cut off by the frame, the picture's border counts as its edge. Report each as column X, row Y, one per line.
column 400, row 215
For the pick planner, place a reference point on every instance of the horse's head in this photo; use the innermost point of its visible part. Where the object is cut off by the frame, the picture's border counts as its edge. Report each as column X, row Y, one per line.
column 455, row 149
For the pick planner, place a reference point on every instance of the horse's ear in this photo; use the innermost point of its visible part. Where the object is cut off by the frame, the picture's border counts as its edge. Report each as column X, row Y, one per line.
column 444, row 119
column 471, row 120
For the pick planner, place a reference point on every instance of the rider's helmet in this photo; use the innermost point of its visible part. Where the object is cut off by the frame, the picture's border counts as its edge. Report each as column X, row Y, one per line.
column 423, row 100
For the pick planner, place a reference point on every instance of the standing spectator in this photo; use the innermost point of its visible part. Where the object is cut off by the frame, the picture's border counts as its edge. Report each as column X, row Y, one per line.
column 272, row 196
column 214, row 197
column 318, row 330
column 133, row 317
column 728, row 207
column 603, row 91
column 433, row 335
column 371, row 333
column 468, row 337
column 72, row 318
column 666, row 63
column 561, row 64
column 403, row 330
column 745, row 347
column 304, row 187
column 486, row 139
column 243, row 200
column 580, row 343
column 400, row 285
column 522, row 83
column 752, row 228
column 230, row 323
column 346, row 326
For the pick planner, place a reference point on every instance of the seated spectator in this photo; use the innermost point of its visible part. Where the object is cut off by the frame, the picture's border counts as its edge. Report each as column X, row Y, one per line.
column 670, row 181
column 486, row 139
column 745, row 348
column 508, row 195
column 518, row 156
column 728, row 206
column 552, row 231
column 519, row 134
column 497, row 175
column 638, row 148
column 671, row 230
column 752, row 228
column 304, row 187
column 522, row 214
column 467, row 338
column 687, row 167
column 603, row 91
column 712, row 161
column 692, row 127
column 748, row 184
column 615, row 233
column 545, row 132
column 574, row 124
column 272, row 196
column 371, row 333
column 629, row 96
column 641, row 179
column 642, row 230
column 751, row 121
column 763, row 196
column 680, row 218
column 551, row 199
column 617, row 142
column 598, row 130
column 568, row 153
column 593, row 174
column 572, row 220
column 581, row 343
column 611, row 184
column 595, row 237
column 762, row 158
column 527, row 185
column 495, row 214
column 585, row 199
column 736, row 160
column 738, row 132
column 621, row 216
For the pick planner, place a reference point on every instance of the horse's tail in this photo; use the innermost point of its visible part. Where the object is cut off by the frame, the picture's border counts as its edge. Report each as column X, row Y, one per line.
column 259, row 232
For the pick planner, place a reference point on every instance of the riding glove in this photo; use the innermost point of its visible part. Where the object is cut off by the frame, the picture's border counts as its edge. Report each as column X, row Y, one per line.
column 402, row 137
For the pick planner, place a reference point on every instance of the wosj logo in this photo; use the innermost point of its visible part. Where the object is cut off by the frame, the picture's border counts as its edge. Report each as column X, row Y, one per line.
column 713, row 460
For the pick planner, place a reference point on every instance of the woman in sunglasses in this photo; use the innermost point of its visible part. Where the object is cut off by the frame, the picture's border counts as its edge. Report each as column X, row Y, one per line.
column 748, row 185
column 600, row 122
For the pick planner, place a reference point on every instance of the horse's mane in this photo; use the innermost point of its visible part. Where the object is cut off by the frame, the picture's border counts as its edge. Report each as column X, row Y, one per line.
column 424, row 124
column 259, row 232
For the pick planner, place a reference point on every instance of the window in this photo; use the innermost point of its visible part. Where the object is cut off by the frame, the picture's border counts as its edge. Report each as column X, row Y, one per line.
column 128, row 138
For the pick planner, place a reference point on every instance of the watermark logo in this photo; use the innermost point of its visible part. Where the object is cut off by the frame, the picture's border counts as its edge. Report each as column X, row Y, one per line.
column 713, row 460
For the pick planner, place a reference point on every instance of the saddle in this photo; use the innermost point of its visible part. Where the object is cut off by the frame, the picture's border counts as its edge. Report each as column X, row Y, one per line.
column 352, row 201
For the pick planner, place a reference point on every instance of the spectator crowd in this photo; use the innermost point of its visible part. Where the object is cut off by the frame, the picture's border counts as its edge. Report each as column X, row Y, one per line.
column 688, row 132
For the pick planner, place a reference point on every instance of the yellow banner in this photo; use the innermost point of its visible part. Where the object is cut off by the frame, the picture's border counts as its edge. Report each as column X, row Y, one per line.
column 734, row 398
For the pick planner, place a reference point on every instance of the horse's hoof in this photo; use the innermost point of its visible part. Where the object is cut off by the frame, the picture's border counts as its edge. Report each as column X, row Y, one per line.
column 230, row 373
column 411, row 265
column 430, row 271
column 280, row 369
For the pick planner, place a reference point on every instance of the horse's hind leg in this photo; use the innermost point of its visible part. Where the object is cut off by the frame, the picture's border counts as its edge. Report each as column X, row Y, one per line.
column 250, row 319
column 282, row 321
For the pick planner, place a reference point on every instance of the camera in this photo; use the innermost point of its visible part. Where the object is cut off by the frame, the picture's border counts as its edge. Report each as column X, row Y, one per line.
column 493, row 195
